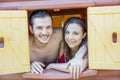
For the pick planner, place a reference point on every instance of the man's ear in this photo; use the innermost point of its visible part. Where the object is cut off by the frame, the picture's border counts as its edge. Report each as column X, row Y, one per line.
column 84, row 35
column 31, row 29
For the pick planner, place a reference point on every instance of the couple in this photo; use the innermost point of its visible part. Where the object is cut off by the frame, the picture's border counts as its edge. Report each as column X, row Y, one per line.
column 48, row 45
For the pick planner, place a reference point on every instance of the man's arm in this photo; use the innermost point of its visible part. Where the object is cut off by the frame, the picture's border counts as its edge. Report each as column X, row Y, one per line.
column 81, row 52
column 58, row 66
column 77, row 64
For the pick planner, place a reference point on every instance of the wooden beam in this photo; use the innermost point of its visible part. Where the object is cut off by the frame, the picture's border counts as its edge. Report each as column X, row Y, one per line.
column 68, row 11
column 107, row 2
column 47, row 4
column 54, row 4
column 54, row 74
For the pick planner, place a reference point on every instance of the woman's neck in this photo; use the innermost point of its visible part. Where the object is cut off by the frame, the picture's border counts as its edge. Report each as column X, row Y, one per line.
column 74, row 50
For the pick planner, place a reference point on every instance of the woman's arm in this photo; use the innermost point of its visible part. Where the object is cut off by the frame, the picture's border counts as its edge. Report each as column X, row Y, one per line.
column 77, row 64
column 74, row 75
column 58, row 66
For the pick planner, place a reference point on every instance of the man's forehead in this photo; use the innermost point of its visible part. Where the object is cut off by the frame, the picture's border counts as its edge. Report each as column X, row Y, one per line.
column 42, row 21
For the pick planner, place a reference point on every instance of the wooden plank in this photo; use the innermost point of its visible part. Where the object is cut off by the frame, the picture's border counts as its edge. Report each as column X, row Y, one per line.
column 47, row 4
column 54, row 74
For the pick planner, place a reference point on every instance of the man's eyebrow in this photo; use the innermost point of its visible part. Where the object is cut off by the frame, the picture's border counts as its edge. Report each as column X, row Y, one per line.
column 49, row 26
column 39, row 26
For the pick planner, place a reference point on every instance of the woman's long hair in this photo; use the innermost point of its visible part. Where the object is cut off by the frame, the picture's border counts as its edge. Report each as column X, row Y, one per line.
column 72, row 20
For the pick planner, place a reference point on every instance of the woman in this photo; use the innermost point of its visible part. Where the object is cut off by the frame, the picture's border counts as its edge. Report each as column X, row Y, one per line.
column 74, row 37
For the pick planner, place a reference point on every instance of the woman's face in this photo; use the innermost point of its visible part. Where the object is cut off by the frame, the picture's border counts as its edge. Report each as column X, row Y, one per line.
column 74, row 35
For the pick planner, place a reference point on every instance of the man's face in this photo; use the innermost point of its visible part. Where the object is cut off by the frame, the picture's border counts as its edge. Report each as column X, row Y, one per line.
column 42, row 28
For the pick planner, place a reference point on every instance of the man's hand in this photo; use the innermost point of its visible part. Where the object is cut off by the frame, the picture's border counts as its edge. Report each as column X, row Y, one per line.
column 74, row 66
column 37, row 67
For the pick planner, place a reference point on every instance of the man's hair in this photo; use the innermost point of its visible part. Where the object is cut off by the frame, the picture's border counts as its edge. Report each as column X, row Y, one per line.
column 39, row 14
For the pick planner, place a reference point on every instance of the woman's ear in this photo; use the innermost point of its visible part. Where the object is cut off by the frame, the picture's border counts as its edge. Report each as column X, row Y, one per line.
column 31, row 29
column 84, row 35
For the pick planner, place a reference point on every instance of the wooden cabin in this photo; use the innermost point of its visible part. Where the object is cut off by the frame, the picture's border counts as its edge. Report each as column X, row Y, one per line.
column 102, row 17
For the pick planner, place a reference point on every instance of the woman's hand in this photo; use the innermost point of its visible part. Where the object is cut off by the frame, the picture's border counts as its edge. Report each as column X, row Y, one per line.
column 37, row 67
column 77, row 66
column 74, row 66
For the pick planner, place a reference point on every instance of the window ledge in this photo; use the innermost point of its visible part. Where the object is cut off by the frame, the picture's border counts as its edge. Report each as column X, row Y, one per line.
column 54, row 74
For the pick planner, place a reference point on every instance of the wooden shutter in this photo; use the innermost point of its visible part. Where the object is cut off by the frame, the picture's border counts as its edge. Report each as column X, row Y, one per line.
column 14, row 54
column 104, row 37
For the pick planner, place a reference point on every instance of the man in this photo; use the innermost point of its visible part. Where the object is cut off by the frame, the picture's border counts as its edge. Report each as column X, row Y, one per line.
column 44, row 41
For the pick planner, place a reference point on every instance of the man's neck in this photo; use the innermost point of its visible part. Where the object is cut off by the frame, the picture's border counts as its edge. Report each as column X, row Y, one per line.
column 39, row 44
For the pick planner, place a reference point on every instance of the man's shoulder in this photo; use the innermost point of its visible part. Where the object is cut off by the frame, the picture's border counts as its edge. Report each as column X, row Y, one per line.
column 31, row 39
column 57, row 30
column 57, row 33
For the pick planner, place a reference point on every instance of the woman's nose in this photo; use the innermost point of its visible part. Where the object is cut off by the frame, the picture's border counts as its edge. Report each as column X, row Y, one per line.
column 70, row 37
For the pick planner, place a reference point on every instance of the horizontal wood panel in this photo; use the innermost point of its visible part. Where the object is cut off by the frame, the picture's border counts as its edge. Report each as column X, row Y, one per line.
column 53, row 4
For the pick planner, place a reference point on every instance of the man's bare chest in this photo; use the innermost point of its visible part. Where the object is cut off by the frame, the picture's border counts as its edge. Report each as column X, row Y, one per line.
column 47, row 54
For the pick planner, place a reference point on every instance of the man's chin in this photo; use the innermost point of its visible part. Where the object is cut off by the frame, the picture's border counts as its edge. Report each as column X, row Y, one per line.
column 44, row 41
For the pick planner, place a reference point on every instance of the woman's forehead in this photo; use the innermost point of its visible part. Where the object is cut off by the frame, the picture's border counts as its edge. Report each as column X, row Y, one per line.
column 74, row 27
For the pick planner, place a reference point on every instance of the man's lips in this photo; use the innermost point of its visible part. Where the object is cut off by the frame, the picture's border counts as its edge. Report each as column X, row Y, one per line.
column 44, row 37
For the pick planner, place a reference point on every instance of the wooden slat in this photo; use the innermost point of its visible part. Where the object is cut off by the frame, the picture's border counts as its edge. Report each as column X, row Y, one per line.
column 53, row 4
column 107, row 2
column 47, row 4
column 53, row 74
column 108, row 73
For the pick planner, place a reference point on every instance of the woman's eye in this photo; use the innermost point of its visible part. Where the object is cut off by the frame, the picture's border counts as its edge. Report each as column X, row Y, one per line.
column 75, row 33
column 67, row 32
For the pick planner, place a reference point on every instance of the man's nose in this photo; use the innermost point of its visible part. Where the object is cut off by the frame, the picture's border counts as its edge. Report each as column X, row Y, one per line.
column 44, row 32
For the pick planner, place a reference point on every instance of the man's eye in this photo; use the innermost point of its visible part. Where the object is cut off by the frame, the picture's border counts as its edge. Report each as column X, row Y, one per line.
column 48, row 27
column 39, row 28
